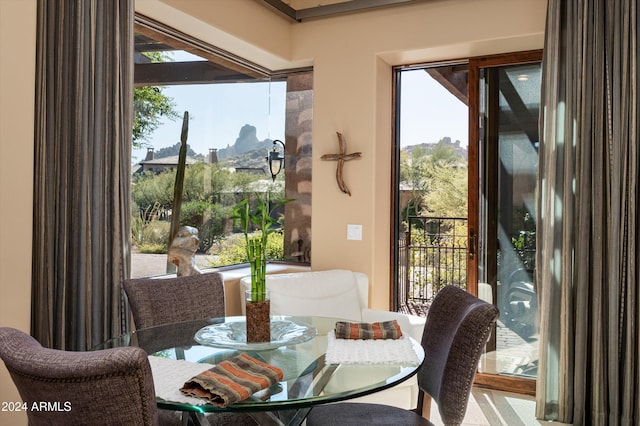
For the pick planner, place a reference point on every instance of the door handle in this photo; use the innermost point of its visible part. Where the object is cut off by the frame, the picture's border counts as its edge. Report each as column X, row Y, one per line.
column 472, row 243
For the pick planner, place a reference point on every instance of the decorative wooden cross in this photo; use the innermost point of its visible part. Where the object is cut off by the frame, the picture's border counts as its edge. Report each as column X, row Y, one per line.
column 341, row 157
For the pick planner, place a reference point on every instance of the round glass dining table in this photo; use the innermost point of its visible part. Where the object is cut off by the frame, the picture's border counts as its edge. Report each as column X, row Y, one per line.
column 298, row 347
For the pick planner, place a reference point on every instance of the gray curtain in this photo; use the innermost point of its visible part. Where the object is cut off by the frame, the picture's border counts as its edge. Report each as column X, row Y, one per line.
column 587, row 254
column 84, row 98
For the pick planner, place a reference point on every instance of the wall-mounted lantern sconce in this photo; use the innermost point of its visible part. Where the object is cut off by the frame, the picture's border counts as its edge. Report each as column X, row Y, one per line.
column 276, row 162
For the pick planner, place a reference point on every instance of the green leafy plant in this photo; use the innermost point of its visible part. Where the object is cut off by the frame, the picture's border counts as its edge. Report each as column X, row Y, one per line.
column 262, row 220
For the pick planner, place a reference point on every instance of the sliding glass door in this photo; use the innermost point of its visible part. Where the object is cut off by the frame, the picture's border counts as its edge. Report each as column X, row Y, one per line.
column 504, row 112
column 466, row 160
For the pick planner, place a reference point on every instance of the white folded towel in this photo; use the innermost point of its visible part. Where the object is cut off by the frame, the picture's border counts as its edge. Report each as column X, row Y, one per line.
column 358, row 351
column 169, row 375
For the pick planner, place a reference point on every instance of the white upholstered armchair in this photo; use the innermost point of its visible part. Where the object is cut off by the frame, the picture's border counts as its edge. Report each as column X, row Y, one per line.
column 340, row 294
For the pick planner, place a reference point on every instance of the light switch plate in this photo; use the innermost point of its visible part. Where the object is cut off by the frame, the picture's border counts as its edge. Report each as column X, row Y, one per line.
column 354, row 232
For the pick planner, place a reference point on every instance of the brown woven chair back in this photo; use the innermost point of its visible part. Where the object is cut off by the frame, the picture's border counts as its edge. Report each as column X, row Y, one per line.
column 107, row 387
column 457, row 329
column 157, row 301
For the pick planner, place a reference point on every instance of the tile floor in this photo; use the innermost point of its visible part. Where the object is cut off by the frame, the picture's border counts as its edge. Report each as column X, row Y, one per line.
column 496, row 408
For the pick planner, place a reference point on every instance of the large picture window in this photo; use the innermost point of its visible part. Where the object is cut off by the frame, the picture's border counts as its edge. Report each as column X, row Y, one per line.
column 231, row 114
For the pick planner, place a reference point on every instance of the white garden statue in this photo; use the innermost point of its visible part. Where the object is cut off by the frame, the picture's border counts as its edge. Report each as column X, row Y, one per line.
column 182, row 251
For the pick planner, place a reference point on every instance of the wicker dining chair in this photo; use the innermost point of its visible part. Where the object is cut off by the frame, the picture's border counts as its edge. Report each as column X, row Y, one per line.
column 107, row 387
column 455, row 334
column 157, row 301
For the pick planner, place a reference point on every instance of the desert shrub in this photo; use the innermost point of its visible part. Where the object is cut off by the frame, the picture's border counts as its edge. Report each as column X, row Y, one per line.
column 275, row 246
column 149, row 189
column 152, row 248
column 210, row 219
column 233, row 250
column 155, row 237
column 140, row 219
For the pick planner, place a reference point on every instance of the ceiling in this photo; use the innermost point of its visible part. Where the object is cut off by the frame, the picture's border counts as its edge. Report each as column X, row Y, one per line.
column 212, row 67
column 301, row 10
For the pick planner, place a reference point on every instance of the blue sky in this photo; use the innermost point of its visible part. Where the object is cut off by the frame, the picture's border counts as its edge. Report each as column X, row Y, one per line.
column 429, row 112
column 218, row 111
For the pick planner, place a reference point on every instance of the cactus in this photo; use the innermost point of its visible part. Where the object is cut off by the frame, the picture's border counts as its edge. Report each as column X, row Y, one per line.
column 178, row 185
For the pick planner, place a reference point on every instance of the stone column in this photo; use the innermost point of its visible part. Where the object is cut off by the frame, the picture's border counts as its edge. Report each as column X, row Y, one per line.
column 298, row 129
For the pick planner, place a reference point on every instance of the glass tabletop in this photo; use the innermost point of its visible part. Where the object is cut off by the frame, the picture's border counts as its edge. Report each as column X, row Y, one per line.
column 308, row 379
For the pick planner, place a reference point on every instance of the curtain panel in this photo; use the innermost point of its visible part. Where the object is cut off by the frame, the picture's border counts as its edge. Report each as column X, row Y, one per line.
column 587, row 253
column 84, row 101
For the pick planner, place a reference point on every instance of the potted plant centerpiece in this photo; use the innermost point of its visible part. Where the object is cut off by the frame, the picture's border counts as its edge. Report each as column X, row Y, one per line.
column 257, row 299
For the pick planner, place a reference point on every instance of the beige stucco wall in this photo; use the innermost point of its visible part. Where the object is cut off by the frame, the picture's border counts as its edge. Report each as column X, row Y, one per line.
column 352, row 94
column 17, row 67
column 352, row 57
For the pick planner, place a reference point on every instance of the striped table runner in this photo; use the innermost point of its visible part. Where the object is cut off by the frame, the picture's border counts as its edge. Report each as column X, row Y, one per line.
column 233, row 380
column 365, row 331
